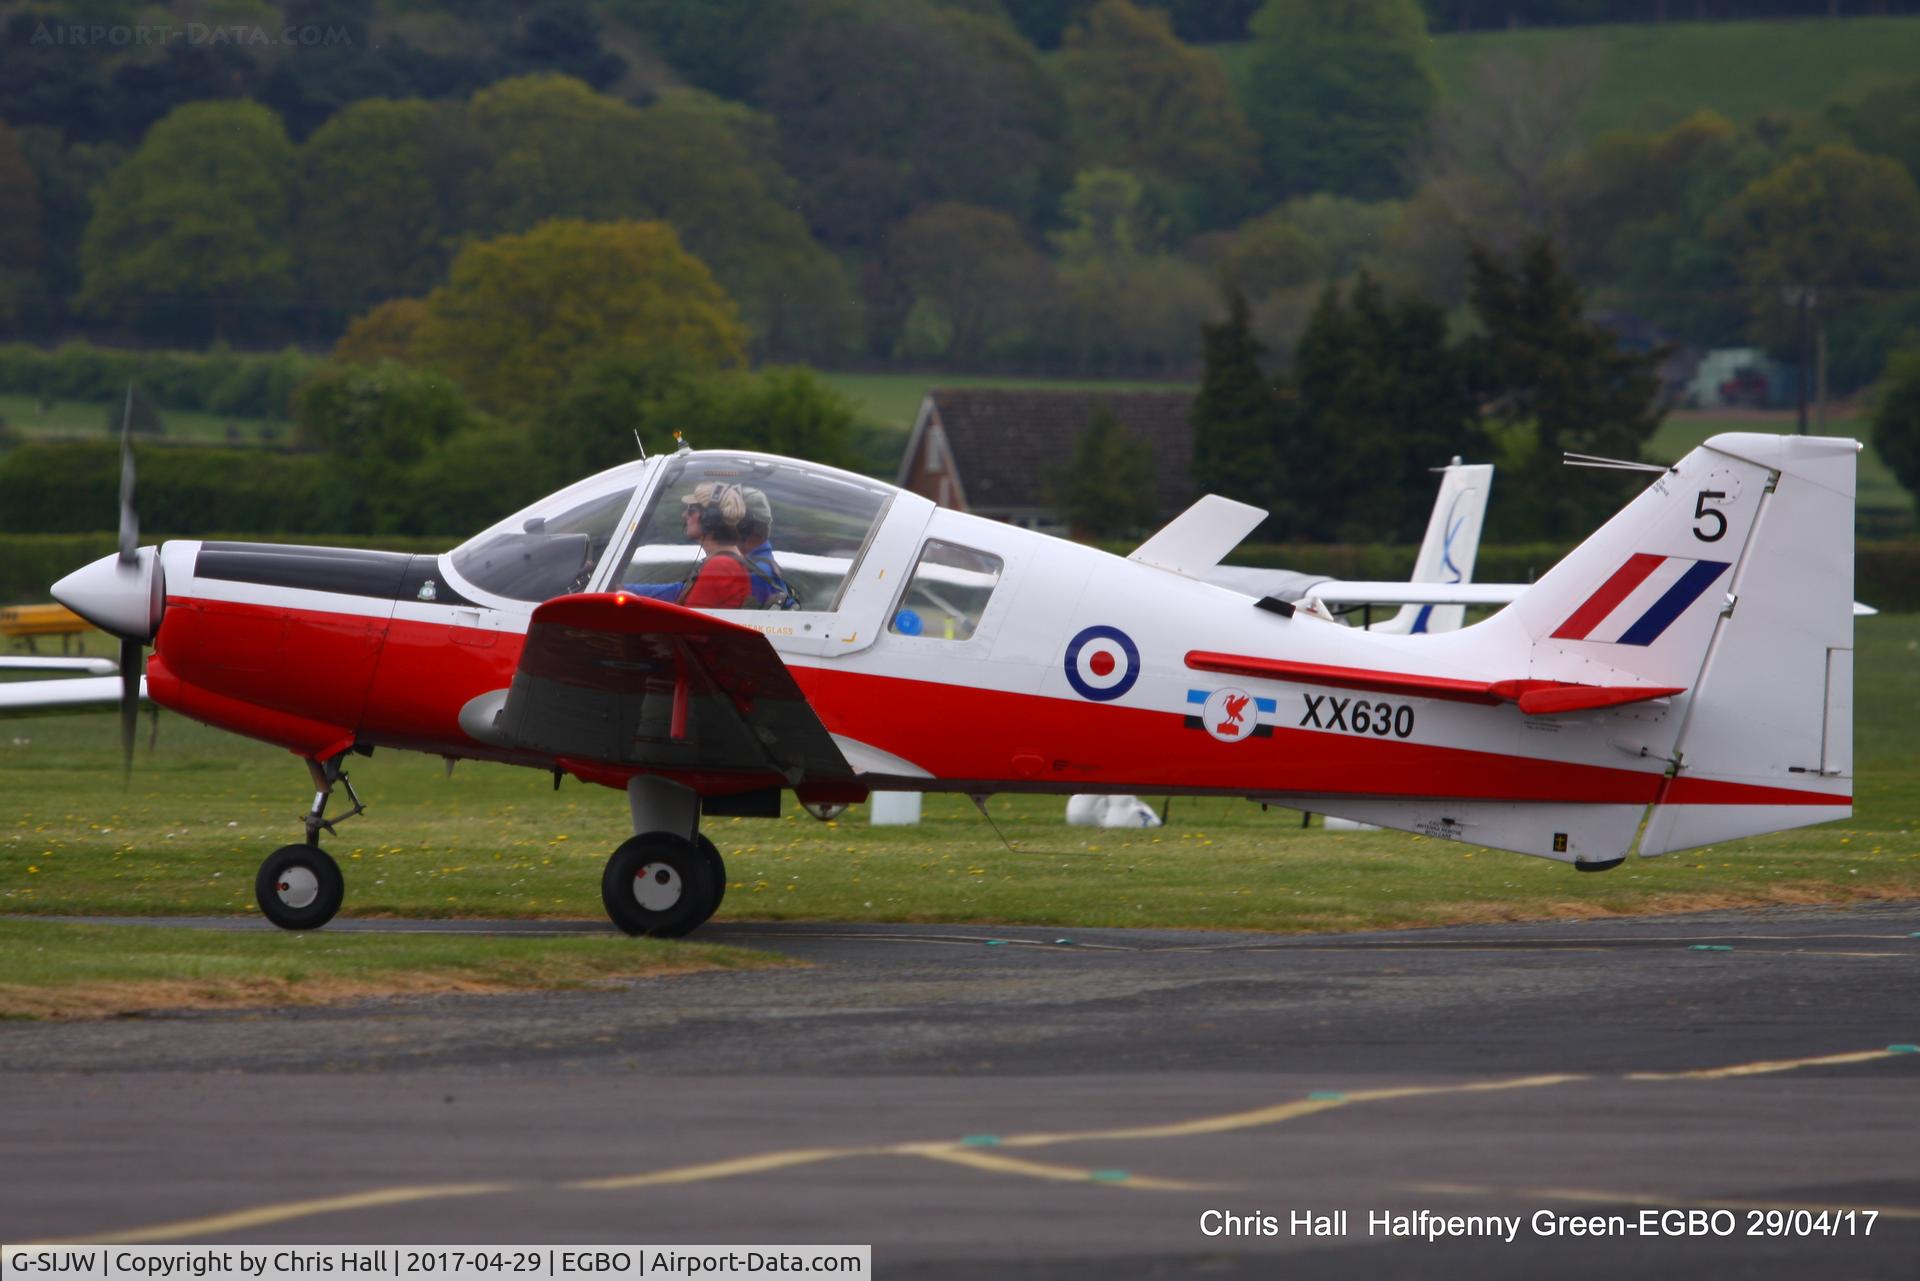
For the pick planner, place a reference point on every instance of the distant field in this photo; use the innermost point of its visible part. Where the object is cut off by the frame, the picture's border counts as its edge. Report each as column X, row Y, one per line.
column 1885, row 509
column 1652, row 75
column 893, row 400
column 79, row 418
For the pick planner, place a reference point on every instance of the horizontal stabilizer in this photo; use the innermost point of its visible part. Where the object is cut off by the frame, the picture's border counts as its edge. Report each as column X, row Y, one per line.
column 1196, row 540
column 1534, row 697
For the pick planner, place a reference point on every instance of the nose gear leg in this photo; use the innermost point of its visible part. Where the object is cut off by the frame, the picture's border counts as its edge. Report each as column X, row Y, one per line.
column 326, row 774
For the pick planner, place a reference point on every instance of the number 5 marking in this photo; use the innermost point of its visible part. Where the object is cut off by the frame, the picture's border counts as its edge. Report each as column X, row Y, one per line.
column 1703, row 512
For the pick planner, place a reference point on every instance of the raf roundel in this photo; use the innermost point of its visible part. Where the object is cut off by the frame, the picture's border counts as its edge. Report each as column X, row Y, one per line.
column 1102, row 663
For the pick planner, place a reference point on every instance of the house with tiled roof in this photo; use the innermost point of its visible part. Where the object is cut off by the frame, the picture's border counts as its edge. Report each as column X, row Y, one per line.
column 993, row 451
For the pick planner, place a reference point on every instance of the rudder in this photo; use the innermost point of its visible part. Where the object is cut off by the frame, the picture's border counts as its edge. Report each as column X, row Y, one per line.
column 1766, row 740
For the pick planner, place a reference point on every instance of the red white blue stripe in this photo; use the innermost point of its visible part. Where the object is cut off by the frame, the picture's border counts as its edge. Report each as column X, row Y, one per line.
column 1641, row 599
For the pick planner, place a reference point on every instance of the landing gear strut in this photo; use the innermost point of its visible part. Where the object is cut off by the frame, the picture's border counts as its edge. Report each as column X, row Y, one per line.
column 668, row 879
column 299, row 887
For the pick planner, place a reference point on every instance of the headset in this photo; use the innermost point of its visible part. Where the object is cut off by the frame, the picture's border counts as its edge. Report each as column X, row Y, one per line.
column 712, row 521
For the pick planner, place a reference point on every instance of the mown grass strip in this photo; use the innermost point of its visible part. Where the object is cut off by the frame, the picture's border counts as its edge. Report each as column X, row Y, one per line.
column 60, row 970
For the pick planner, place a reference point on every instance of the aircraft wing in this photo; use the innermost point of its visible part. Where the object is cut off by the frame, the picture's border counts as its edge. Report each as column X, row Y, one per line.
column 62, row 695
column 91, row 666
column 1291, row 585
column 616, row 679
column 1353, row 592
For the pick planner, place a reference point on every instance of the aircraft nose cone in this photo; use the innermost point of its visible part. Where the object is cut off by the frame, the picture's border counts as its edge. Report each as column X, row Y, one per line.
column 124, row 599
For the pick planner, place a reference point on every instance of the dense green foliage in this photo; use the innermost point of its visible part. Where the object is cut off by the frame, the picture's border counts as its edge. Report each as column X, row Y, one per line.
column 1107, row 488
column 1896, row 419
column 1383, row 400
column 1239, row 417
column 323, row 157
column 73, row 487
column 218, row 381
column 519, row 314
column 1058, row 186
column 1554, row 383
column 1339, row 91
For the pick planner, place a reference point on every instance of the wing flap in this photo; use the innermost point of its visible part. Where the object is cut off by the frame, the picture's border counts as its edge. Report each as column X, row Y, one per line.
column 625, row 680
column 1533, row 697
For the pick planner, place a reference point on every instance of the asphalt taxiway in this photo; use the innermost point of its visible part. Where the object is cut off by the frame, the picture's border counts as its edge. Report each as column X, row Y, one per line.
column 1048, row 1103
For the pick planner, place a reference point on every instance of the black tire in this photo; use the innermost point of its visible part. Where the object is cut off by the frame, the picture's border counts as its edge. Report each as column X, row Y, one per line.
column 299, row 887
column 659, row 885
column 716, row 865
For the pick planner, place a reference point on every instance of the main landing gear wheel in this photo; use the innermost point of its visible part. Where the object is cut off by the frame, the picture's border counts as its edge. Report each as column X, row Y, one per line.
column 661, row 885
column 716, row 865
column 299, row 887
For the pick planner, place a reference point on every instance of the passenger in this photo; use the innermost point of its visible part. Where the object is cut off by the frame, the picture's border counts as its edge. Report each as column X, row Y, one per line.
column 770, row 588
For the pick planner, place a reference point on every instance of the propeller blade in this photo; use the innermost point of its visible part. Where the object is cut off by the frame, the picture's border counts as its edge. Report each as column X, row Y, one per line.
column 130, row 664
column 129, row 522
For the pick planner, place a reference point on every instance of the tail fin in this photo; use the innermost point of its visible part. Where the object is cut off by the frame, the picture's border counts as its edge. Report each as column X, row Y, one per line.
column 1449, row 549
column 1730, row 577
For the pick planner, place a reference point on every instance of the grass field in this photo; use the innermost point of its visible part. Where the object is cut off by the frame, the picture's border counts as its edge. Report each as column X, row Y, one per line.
column 201, row 812
column 1884, row 508
column 68, row 419
column 1653, row 75
column 893, row 400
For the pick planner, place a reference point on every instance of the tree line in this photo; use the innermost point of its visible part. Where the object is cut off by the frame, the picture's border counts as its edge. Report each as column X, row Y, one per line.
column 977, row 184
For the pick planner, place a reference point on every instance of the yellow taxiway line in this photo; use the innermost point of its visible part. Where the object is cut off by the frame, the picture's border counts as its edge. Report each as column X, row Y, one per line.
column 985, row 1155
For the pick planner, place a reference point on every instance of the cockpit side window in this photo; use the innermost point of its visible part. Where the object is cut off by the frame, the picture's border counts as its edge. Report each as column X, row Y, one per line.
column 948, row 592
column 802, row 533
column 545, row 554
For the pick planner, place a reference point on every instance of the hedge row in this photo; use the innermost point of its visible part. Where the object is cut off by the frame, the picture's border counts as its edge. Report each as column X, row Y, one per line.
column 73, row 487
column 218, row 382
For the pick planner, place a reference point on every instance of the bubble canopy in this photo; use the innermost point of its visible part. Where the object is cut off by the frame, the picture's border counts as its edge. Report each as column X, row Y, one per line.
column 822, row 521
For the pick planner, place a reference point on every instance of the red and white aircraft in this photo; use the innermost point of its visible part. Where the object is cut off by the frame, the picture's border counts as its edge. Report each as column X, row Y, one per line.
column 1690, row 665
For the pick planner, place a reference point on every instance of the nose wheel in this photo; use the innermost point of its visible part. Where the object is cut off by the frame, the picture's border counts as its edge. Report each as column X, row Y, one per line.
column 662, row 885
column 299, row 887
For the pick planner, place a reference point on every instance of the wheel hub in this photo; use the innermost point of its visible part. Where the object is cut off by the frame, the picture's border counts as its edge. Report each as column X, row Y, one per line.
column 656, row 887
column 298, row 887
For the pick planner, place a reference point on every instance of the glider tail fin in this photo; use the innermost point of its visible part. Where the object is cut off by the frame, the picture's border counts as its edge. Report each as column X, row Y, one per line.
column 1731, row 578
column 1448, row 551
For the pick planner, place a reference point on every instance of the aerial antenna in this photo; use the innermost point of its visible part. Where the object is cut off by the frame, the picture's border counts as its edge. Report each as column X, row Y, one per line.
column 640, row 444
column 1611, row 464
column 979, row 800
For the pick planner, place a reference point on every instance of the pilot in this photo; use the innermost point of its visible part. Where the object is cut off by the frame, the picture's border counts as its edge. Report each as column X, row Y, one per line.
column 714, row 512
column 770, row 588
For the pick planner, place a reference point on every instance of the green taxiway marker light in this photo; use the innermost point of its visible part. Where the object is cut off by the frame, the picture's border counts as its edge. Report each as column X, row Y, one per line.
column 1069, row 942
column 1326, row 1096
column 1109, row 1176
column 1710, row 947
column 1903, row 1049
column 996, row 942
column 981, row 1141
